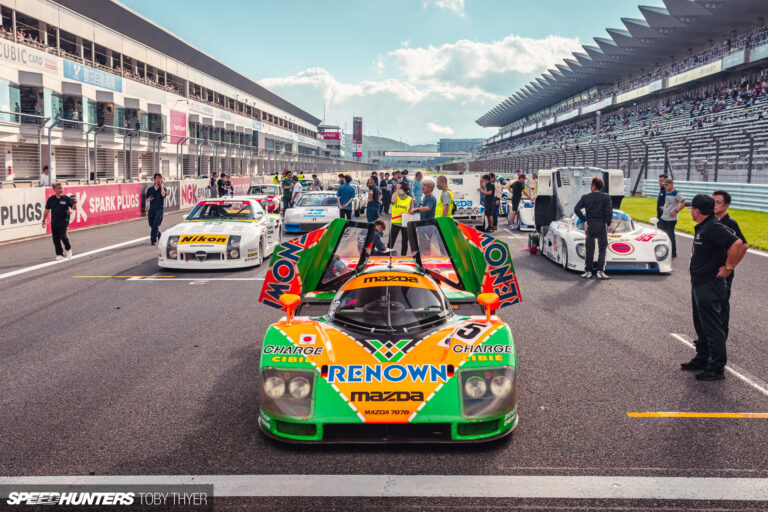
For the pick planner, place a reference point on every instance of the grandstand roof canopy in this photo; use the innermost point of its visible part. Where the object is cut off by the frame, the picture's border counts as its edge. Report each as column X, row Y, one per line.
column 642, row 44
column 123, row 20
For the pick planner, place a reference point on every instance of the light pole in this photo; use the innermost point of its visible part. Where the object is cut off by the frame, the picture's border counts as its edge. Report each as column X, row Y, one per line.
column 597, row 137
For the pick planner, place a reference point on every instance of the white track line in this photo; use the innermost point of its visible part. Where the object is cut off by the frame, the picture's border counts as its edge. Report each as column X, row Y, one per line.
column 195, row 279
column 76, row 256
column 443, row 486
column 740, row 374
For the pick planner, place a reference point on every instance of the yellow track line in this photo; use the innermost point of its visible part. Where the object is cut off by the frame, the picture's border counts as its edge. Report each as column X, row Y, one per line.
column 747, row 415
column 112, row 277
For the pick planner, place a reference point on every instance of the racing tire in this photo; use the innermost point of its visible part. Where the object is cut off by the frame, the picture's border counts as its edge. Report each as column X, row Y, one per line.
column 565, row 256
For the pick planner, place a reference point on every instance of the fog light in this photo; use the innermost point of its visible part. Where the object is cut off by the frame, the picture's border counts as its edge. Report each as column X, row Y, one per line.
column 172, row 254
column 274, row 387
column 234, row 253
column 501, row 386
column 475, row 387
column 299, row 387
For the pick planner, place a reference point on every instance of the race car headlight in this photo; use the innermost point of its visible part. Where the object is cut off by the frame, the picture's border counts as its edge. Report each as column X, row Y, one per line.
column 233, row 243
column 171, row 247
column 287, row 393
column 581, row 251
column 486, row 393
column 274, row 387
column 475, row 387
column 661, row 251
column 299, row 387
column 476, row 210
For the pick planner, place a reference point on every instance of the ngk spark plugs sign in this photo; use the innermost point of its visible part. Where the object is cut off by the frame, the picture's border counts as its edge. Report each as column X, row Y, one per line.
column 99, row 204
column 192, row 191
column 21, row 213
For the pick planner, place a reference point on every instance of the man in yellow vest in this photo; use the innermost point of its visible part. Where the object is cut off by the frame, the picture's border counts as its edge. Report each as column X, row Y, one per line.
column 445, row 201
column 402, row 205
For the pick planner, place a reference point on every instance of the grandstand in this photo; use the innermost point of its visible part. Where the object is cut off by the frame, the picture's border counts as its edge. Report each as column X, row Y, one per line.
column 684, row 90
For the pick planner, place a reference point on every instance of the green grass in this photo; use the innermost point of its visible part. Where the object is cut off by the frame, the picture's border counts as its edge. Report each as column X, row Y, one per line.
column 753, row 224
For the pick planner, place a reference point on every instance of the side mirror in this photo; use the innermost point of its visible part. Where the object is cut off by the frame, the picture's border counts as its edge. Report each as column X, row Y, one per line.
column 490, row 301
column 654, row 221
column 289, row 301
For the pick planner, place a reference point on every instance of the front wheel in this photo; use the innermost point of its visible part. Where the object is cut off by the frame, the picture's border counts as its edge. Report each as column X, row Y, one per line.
column 565, row 256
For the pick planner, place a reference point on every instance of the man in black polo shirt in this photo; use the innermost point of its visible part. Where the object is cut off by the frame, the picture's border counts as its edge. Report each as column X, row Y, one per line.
column 722, row 202
column 156, row 198
column 716, row 251
column 58, row 206
column 599, row 214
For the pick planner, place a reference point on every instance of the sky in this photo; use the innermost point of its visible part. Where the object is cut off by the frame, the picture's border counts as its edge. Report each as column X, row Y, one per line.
column 415, row 70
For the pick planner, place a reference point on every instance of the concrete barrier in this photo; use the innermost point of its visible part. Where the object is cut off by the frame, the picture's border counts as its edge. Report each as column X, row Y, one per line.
column 743, row 196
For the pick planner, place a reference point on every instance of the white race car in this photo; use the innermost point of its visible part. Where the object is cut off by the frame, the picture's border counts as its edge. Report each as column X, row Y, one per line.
column 312, row 210
column 630, row 247
column 524, row 221
column 220, row 233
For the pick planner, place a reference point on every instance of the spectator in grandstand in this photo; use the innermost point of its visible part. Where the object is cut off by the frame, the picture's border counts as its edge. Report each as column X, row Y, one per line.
column 386, row 194
column 296, row 190
column 344, row 197
column 379, row 249
column 722, row 202
column 716, row 252
column 155, row 196
column 445, row 204
column 517, row 188
column 373, row 207
column 58, row 206
column 597, row 216
column 287, row 186
column 45, row 179
column 488, row 191
column 316, row 185
column 402, row 205
column 661, row 196
column 428, row 203
column 416, row 187
column 673, row 203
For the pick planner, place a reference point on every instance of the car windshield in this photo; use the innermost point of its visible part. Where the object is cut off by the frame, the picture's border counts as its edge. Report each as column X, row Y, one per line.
column 269, row 190
column 225, row 210
column 317, row 200
column 389, row 308
column 621, row 223
column 306, row 184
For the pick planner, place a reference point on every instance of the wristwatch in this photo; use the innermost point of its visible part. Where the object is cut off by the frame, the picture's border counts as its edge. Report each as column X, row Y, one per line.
column 729, row 267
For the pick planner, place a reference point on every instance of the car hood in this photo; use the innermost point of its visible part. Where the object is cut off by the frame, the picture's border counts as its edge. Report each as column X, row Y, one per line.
column 310, row 212
column 412, row 366
column 209, row 227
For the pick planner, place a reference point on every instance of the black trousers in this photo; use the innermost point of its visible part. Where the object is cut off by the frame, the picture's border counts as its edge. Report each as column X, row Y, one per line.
column 345, row 214
column 394, row 231
column 727, row 304
column 709, row 303
column 59, row 235
column 386, row 199
column 596, row 229
column 154, row 218
column 668, row 226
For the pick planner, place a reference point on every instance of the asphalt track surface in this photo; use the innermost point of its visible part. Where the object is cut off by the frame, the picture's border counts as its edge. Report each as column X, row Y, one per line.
column 140, row 375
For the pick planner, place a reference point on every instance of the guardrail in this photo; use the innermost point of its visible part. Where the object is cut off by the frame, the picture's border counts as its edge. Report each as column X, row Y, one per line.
column 743, row 196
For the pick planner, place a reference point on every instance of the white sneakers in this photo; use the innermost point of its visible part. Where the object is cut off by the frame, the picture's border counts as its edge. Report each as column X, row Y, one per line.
column 602, row 275
column 587, row 275
column 68, row 253
column 59, row 257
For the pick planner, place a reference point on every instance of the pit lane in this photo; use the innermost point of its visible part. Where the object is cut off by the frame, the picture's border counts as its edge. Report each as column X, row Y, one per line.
column 156, row 376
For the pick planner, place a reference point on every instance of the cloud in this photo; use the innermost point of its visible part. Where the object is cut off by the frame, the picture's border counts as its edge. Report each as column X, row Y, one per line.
column 456, row 6
column 441, row 130
column 471, row 62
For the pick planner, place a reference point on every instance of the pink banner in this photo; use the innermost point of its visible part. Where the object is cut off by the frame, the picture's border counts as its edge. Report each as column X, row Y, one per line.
column 178, row 129
column 331, row 135
column 99, row 204
column 240, row 185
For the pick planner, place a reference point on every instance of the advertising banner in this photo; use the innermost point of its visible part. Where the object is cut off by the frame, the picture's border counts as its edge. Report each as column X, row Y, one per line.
column 21, row 212
column 331, row 135
column 89, row 75
column 178, row 128
column 30, row 58
column 758, row 52
column 192, row 191
column 734, row 59
column 696, row 73
column 633, row 94
column 172, row 199
column 241, row 185
column 99, row 204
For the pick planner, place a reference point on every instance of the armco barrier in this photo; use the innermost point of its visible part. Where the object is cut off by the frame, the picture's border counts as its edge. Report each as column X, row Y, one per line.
column 21, row 213
column 743, row 196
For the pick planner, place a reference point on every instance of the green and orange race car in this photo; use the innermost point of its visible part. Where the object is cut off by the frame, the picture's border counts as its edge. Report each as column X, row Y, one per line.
column 389, row 349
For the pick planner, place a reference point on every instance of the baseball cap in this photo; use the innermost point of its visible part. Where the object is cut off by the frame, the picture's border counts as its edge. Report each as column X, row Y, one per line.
column 704, row 203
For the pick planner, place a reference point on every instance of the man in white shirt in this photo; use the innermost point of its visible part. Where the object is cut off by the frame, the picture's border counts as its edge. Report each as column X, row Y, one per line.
column 296, row 190
column 45, row 179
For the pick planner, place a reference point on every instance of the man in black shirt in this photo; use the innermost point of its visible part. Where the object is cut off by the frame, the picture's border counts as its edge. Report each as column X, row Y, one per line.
column 596, row 221
column 222, row 184
column 662, row 197
column 716, row 251
column 487, row 191
column 517, row 188
column 58, row 207
column 156, row 198
column 722, row 202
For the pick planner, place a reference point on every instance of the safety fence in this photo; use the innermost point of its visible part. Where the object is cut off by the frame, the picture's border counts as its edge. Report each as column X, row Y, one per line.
column 743, row 196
